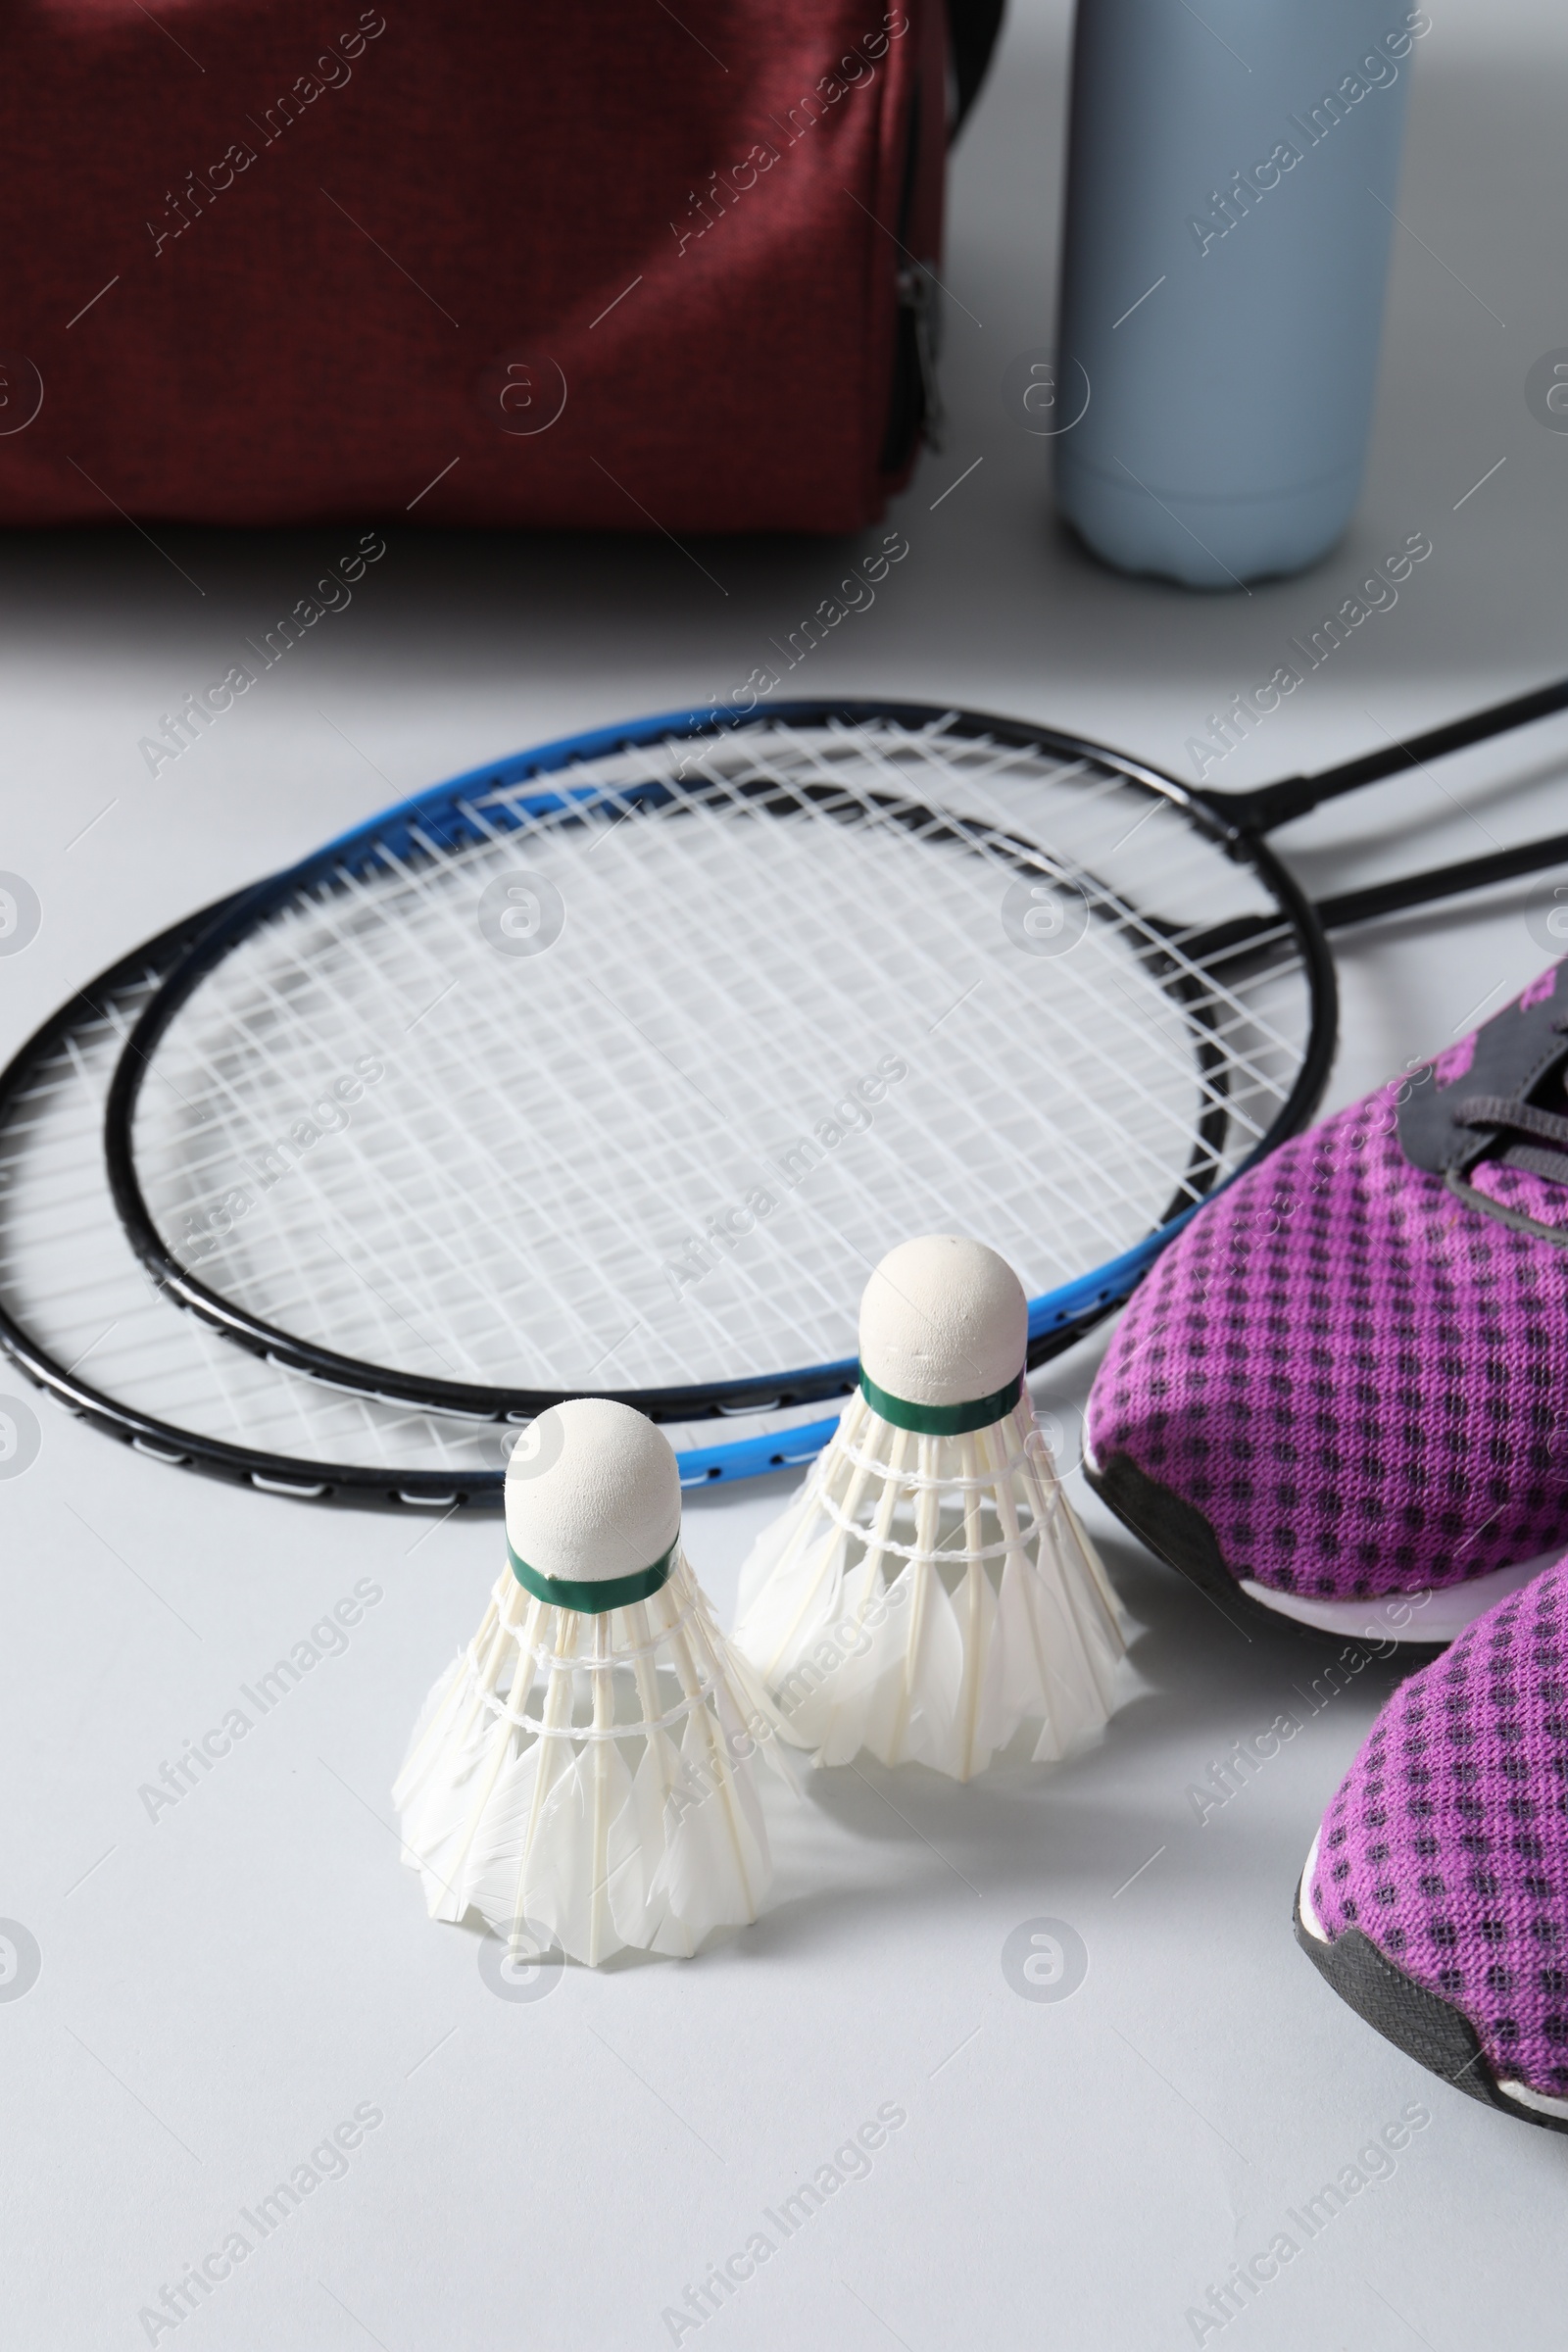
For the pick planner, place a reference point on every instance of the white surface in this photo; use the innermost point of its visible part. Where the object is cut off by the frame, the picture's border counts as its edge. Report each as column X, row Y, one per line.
column 224, row 1983
column 943, row 1321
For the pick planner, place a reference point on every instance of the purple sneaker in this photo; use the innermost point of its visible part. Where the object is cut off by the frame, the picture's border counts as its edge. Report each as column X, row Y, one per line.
column 1342, row 1396
column 1435, row 1899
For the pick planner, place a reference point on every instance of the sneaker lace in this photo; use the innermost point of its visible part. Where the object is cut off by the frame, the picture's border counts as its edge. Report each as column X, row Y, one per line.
column 1522, row 1119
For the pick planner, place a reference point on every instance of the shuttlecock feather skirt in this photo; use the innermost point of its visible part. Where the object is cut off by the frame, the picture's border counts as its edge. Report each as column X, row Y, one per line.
column 590, row 1776
column 925, row 1597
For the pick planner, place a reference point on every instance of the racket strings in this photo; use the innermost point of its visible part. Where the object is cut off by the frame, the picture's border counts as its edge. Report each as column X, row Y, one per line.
column 1202, row 998
column 511, row 1213
column 606, row 1134
column 869, row 973
column 641, row 1031
column 1202, row 993
column 869, row 956
column 538, row 1197
column 331, row 1278
column 81, row 1300
column 70, row 1280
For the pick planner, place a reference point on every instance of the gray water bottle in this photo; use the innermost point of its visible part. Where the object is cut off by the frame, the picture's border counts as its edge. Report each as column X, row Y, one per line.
column 1231, row 185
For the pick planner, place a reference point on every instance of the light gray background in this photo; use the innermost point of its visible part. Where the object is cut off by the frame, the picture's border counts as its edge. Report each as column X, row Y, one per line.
column 223, row 1987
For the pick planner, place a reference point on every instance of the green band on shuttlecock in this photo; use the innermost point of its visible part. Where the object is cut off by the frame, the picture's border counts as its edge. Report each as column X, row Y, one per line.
column 942, row 1420
column 596, row 1598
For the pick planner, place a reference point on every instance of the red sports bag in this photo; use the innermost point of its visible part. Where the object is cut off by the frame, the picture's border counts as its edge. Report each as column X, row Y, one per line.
column 620, row 268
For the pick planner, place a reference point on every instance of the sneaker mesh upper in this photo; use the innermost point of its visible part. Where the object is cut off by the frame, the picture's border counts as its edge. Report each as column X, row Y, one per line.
column 1360, row 1380
column 1448, row 1842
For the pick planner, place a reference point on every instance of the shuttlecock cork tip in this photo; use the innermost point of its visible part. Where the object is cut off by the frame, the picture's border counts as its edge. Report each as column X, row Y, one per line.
column 593, row 1493
column 942, row 1322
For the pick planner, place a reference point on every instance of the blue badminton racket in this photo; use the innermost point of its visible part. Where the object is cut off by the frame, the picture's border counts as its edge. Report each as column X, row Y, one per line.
column 615, row 1066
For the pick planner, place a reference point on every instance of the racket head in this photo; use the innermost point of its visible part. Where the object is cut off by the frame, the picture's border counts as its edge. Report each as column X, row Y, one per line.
column 857, row 785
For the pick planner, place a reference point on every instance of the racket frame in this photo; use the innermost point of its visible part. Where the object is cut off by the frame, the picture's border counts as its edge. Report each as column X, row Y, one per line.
column 1056, row 1318
column 296, row 1477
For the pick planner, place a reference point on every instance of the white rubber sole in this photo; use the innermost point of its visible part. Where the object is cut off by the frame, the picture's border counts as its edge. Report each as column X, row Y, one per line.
column 1425, row 1617
column 1541, row 2102
column 1309, row 1918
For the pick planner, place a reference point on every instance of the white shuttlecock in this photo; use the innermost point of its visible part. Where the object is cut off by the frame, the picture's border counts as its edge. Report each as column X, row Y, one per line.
column 583, row 1769
column 929, row 1589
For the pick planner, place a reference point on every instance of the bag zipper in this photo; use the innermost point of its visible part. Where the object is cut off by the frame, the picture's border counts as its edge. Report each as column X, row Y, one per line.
column 920, row 297
column 915, row 402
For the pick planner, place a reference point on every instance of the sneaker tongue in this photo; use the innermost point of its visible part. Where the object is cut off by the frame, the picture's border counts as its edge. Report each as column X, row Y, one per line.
column 1497, row 1096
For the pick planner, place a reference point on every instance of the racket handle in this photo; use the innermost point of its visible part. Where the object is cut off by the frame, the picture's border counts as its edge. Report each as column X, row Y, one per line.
column 1370, row 906
column 1273, row 805
column 1232, row 179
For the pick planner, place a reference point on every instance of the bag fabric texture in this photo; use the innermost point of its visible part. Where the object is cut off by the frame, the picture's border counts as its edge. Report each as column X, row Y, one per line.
column 612, row 270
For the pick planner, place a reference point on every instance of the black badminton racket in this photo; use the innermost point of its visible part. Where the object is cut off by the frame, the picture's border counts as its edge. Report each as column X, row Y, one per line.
column 80, row 1316
column 615, row 1066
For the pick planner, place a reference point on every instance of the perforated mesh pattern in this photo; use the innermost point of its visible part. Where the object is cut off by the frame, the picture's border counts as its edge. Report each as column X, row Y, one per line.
column 1360, row 1380
column 1447, row 1841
